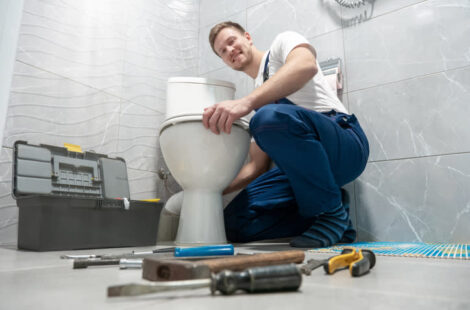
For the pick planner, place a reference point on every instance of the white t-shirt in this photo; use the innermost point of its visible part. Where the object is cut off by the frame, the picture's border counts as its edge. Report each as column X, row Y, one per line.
column 316, row 94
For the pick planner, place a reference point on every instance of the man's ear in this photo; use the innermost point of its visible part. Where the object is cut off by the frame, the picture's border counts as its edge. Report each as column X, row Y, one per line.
column 248, row 37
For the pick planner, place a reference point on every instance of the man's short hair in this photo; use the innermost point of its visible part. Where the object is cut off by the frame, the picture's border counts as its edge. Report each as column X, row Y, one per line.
column 219, row 27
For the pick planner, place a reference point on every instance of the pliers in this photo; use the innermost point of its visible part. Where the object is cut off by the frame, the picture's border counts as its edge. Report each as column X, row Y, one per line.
column 359, row 261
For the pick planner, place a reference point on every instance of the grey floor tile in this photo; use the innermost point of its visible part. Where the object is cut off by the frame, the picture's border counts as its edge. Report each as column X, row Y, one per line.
column 30, row 280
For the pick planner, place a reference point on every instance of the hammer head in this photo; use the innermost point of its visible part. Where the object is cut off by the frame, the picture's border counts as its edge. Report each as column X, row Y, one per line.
column 155, row 269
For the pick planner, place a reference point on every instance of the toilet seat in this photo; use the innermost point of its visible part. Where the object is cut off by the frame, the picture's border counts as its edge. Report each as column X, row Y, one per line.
column 243, row 123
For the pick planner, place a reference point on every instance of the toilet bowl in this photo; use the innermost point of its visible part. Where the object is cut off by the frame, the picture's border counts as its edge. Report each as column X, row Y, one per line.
column 203, row 163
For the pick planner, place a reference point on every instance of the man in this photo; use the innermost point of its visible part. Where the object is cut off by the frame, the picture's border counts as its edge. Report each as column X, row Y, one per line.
column 301, row 126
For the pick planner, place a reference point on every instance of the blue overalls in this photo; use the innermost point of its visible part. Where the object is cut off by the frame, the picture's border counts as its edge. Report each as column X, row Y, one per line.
column 315, row 154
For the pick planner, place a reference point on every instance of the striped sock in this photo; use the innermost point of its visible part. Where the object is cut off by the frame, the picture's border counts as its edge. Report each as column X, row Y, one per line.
column 350, row 233
column 328, row 229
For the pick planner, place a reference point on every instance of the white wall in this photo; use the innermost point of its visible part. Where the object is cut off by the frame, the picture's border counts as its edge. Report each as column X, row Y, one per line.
column 10, row 19
column 94, row 73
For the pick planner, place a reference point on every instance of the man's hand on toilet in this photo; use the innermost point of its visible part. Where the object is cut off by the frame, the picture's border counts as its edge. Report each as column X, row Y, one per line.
column 221, row 116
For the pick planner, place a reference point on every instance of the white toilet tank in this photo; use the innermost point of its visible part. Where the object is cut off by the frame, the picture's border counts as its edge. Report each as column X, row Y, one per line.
column 188, row 96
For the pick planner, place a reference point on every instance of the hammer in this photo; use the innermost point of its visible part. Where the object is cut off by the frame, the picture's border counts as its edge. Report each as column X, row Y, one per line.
column 155, row 269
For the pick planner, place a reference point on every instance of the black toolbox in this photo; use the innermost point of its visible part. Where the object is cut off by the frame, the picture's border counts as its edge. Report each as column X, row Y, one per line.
column 72, row 200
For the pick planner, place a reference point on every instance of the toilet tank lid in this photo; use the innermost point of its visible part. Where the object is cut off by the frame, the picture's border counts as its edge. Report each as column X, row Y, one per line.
column 200, row 80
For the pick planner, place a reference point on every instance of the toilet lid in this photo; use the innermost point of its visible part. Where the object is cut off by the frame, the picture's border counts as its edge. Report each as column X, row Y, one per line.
column 196, row 118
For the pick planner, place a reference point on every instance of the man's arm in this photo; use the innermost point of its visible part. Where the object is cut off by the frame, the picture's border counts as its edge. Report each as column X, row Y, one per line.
column 258, row 164
column 299, row 68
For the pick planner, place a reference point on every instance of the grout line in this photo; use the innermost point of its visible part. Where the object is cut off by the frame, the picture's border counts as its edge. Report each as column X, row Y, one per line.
column 380, row 15
column 212, row 71
column 345, row 71
column 410, row 78
column 219, row 20
column 199, row 18
column 324, row 34
column 398, row 9
column 199, row 29
column 256, row 4
column 418, row 157
column 246, row 21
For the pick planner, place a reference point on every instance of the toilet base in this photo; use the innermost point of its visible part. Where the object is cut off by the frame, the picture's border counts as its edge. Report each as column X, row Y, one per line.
column 201, row 219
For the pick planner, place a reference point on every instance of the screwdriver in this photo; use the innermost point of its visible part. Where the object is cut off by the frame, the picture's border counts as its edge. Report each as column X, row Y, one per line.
column 84, row 261
column 208, row 250
column 252, row 280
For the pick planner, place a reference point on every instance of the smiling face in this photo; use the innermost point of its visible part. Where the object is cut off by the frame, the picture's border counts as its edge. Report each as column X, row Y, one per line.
column 234, row 48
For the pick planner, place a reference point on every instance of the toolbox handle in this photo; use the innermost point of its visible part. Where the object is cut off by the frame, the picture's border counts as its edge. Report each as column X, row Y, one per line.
column 74, row 162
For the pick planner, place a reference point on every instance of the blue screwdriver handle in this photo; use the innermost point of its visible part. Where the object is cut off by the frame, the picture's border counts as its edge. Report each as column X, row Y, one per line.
column 208, row 250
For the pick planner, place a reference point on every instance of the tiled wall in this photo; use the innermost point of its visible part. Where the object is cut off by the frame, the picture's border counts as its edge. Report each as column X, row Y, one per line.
column 94, row 73
column 407, row 77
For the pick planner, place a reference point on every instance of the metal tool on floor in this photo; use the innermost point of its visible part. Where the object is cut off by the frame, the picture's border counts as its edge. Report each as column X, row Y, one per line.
column 114, row 256
column 359, row 261
column 155, row 269
column 253, row 280
column 84, row 261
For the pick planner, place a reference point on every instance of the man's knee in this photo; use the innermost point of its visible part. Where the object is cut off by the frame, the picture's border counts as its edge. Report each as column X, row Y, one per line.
column 288, row 119
column 265, row 119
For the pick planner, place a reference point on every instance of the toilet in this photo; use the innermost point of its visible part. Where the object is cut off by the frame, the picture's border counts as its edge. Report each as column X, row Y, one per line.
column 203, row 163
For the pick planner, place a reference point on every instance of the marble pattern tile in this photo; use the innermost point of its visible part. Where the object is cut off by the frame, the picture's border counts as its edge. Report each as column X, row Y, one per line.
column 46, row 108
column 418, row 117
column 416, row 40
column 215, row 11
column 8, row 208
column 250, row 3
column 422, row 199
column 208, row 61
column 269, row 18
column 138, row 136
column 381, row 7
column 352, row 16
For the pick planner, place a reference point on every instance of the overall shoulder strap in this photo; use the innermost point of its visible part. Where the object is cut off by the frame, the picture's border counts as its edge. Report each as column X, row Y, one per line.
column 266, row 69
column 266, row 77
